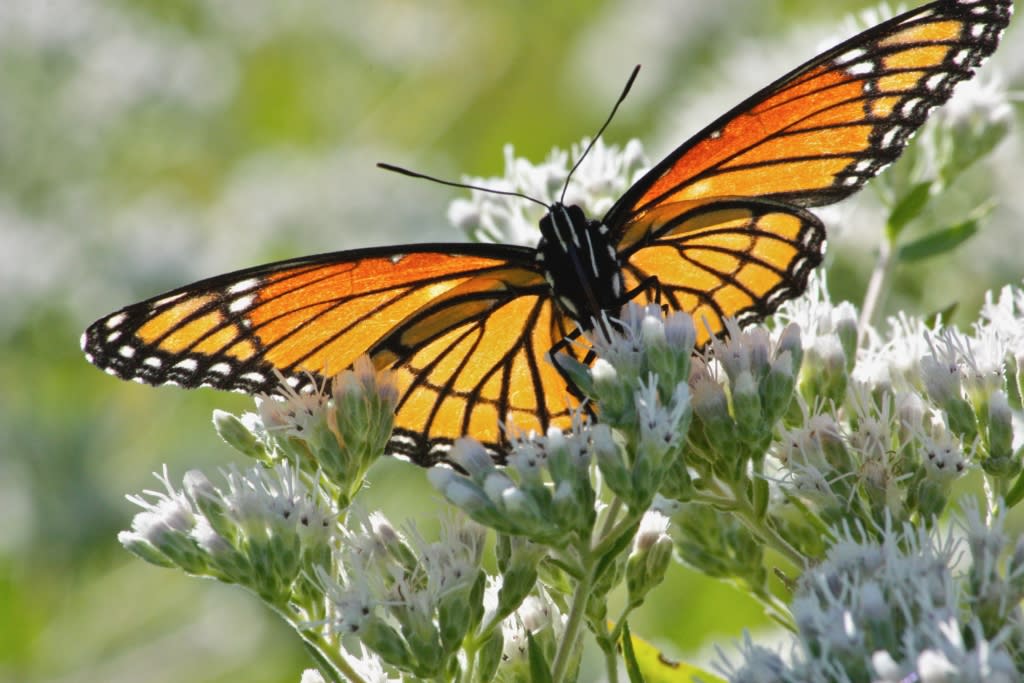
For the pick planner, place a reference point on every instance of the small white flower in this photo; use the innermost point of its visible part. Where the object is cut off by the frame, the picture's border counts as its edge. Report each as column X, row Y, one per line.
column 653, row 527
column 312, row 676
column 169, row 510
column 600, row 179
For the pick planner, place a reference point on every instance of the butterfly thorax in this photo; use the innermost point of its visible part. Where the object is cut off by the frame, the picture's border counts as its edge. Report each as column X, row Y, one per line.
column 579, row 263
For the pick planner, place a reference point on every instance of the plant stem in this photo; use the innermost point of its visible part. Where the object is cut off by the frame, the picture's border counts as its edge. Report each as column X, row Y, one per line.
column 744, row 512
column 611, row 665
column 877, row 286
column 331, row 659
column 610, row 515
column 580, row 597
column 612, row 536
column 768, row 533
column 470, row 650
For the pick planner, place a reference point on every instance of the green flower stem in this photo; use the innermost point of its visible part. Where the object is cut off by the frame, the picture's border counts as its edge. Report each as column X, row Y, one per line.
column 613, row 512
column 736, row 502
column 610, row 534
column 612, row 530
column 616, row 631
column 470, row 647
column 1000, row 487
column 775, row 608
column 572, row 627
column 330, row 658
column 877, row 286
column 335, row 664
column 611, row 664
column 626, row 525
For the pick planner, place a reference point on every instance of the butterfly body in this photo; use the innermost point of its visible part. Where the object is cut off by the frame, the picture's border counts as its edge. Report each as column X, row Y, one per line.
column 579, row 263
column 718, row 228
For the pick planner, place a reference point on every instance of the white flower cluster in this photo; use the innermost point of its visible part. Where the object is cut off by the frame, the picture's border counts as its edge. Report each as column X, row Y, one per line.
column 905, row 607
column 606, row 173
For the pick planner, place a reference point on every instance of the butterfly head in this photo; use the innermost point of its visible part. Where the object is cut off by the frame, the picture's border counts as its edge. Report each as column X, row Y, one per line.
column 579, row 262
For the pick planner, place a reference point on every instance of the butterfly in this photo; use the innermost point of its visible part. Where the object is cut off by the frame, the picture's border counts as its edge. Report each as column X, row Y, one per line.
column 718, row 228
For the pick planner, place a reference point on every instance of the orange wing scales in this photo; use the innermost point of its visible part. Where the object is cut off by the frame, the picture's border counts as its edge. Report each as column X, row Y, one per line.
column 728, row 257
column 716, row 229
column 477, row 377
column 304, row 319
column 819, row 133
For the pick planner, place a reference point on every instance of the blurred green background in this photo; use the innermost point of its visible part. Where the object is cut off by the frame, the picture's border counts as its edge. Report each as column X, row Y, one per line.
column 147, row 144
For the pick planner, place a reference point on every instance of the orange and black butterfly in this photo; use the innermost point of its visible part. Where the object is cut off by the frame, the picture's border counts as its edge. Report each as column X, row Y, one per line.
column 718, row 228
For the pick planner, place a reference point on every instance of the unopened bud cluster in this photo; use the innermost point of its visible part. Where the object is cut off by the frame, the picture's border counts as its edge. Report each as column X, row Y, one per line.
column 263, row 529
column 890, row 607
column 338, row 433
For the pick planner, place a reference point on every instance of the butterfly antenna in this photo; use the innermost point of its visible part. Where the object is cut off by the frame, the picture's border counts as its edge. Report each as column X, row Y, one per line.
column 451, row 183
column 590, row 145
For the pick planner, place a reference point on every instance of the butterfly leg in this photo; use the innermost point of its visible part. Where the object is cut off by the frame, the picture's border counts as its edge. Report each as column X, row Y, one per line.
column 565, row 346
column 650, row 285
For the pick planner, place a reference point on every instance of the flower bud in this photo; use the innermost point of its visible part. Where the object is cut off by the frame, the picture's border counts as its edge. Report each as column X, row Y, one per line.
column 139, row 546
column 712, row 407
column 961, row 418
column 171, row 538
column 387, row 643
column 932, row 497
column 362, row 420
column 612, row 392
column 611, row 462
column 489, row 656
column 471, row 456
column 461, row 492
column 524, row 511
column 235, row 434
column 833, row 447
column 645, row 568
column 824, row 376
column 455, row 611
column 777, row 387
column 941, row 380
column 578, row 374
column 790, row 341
column 845, row 322
column 670, row 360
column 1000, row 426
column 747, row 405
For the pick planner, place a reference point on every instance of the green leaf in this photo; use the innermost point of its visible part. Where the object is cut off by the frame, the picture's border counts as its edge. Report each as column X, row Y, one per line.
column 1016, row 492
column 654, row 667
column 629, row 656
column 942, row 316
column 540, row 672
column 907, row 209
column 938, row 243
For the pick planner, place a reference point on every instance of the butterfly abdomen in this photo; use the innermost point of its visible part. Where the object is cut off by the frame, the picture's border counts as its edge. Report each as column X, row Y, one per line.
column 580, row 263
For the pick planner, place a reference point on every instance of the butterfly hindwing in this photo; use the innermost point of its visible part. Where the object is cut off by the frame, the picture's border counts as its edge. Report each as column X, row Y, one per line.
column 738, row 257
column 819, row 133
column 487, row 371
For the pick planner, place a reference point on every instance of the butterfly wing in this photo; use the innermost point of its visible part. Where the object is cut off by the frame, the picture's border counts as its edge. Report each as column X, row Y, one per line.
column 718, row 222
column 738, row 257
column 465, row 327
column 481, row 362
column 819, row 133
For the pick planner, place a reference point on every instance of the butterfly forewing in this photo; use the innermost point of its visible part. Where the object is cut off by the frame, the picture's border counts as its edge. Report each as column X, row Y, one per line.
column 819, row 133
